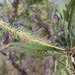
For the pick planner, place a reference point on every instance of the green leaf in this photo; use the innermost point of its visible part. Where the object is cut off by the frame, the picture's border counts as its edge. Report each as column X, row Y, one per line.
column 66, row 17
column 58, row 14
column 66, row 32
column 70, row 9
column 36, row 54
column 70, row 4
column 35, row 46
column 67, row 1
column 62, row 8
column 54, row 27
column 56, row 33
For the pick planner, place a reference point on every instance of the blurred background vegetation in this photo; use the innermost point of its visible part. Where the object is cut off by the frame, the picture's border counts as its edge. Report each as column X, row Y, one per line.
column 37, row 16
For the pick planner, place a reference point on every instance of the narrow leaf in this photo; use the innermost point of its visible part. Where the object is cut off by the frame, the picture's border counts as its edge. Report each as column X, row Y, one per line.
column 35, row 46
column 36, row 54
column 62, row 8
column 67, row 72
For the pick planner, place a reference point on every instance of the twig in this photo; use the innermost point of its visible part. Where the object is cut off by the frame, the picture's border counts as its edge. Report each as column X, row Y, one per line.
column 13, row 13
column 4, row 47
column 38, row 21
column 63, row 64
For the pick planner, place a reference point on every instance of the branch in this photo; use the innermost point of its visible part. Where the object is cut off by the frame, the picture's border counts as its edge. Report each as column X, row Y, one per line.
column 13, row 57
column 4, row 47
column 38, row 21
column 13, row 11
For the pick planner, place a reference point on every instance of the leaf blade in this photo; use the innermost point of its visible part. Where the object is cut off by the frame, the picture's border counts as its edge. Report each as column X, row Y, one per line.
column 36, row 54
column 35, row 46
